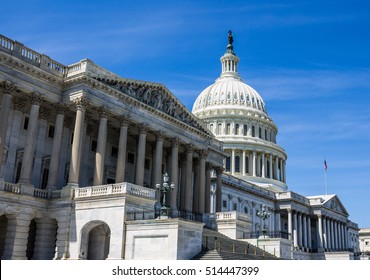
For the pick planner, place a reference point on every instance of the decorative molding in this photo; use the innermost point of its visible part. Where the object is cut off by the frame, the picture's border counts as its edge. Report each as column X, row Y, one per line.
column 104, row 112
column 36, row 98
column 44, row 114
column 19, row 104
column 81, row 103
column 60, row 108
column 7, row 87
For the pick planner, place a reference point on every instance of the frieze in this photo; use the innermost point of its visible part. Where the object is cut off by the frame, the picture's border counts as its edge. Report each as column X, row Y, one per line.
column 155, row 97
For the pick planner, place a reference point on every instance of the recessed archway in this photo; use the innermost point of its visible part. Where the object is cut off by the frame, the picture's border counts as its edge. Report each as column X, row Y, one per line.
column 95, row 241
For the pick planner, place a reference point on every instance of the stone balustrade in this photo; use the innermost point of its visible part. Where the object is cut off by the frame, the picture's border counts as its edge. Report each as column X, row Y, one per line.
column 29, row 190
column 292, row 195
column 114, row 189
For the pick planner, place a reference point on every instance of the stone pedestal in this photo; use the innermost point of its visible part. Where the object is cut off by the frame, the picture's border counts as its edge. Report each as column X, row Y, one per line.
column 166, row 239
column 233, row 224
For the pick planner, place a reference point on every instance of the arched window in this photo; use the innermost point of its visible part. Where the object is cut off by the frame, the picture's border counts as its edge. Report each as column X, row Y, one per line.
column 245, row 130
column 211, row 127
column 253, row 131
column 260, row 132
column 236, row 129
column 246, row 167
column 219, row 129
column 237, row 164
column 228, row 128
column 265, row 134
column 227, row 165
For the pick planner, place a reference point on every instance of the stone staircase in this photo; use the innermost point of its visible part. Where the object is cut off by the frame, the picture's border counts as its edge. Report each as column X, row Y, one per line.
column 216, row 246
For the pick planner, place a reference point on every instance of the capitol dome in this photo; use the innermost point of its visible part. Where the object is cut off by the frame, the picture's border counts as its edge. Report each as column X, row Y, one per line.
column 236, row 114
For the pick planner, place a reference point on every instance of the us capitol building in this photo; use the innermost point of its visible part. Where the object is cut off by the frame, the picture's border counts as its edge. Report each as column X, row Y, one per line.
column 96, row 166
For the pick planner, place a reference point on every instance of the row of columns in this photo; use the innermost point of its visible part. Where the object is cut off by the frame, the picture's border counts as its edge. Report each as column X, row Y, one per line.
column 258, row 164
column 332, row 235
column 195, row 189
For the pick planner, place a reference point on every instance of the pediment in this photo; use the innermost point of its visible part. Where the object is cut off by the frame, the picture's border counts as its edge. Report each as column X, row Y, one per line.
column 336, row 205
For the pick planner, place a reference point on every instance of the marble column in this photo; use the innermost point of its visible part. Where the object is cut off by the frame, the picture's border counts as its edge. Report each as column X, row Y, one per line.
column 290, row 226
column 101, row 146
column 300, row 230
column 243, row 163
column 263, row 167
column 8, row 89
column 281, row 170
column 57, row 144
column 277, row 221
column 189, row 178
column 319, row 223
column 174, row 173
column 233, row 162
column 219, row 171
column 332, row 235
column 270, row 166
column 122, row 149
column 208, row 189
column 305, row 245
column 139, row 175
column 30, row 146
column 309, row 237
column 254, row 164
column 74, row 169
column 202, row 180
column 158, row 161
column 276, row 176
column 325, row 234
column 336, row 235
column 295, row 233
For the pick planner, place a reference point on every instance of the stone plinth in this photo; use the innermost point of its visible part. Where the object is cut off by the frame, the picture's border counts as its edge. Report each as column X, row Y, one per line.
column 232, row 224
column 167, row 239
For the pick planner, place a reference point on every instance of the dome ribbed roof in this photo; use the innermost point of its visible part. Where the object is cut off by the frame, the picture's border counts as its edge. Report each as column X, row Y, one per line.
column 229, row 91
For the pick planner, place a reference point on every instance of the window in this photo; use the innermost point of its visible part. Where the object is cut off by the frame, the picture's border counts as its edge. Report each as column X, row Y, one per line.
column 224, row 203
column 114, row 152
column 245, row 209
column 219, row 128
column 235, row 206
column 228, row 128
column 147, row 164
column 131, row 158
column 93, row 146
column 237, row 129
column 265, row 134
column 260, row 132
column 245, row 130
column 366, row 243
column 51, row 131
column 246, row 164
column 211, row 127
column 227, row 167
column 25, row 122
column 253, row 131
column 237, row 164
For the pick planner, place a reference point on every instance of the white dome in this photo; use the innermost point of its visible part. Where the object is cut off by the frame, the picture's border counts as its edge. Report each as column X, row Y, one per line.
column 229, row 93
column 236, row 114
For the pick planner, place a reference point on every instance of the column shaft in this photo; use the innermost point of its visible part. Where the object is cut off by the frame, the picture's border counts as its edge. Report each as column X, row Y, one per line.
column 122, row 149
column 29, row 149
column 158, row 162
column 174, row 173
column 55, row 152
column 202, row 181
column 139, row 175
column 219, row 190
column 4, row 114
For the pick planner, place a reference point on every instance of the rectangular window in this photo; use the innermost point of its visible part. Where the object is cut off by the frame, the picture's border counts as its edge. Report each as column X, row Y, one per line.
column 224, row 203
column 51, row 131
column 131, row 158
column 25, row 122
column 93, row 146
column 147, row 164
column 234, row 206
column 114, row 152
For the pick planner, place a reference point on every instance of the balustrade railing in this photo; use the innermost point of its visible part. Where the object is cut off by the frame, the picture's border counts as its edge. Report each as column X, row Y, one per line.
column 114, row 189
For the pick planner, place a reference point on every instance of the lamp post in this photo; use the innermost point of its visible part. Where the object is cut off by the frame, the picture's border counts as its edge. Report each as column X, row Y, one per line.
column 164, row 189
column 264, row 215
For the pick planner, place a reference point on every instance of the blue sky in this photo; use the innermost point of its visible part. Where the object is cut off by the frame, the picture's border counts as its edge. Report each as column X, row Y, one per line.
column 309, row 60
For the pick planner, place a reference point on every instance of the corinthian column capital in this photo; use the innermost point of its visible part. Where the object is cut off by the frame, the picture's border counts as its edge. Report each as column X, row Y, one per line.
column 81, row 102
column 7, row 87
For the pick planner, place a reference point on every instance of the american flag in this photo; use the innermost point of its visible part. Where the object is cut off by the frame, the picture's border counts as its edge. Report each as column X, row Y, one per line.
column 325, row 165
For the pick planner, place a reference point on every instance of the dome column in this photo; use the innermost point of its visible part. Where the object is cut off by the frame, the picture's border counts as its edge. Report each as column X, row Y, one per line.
column 271, row 171
column 233, row 162
column 243, row 164
column 254, row 164
column 263, row 167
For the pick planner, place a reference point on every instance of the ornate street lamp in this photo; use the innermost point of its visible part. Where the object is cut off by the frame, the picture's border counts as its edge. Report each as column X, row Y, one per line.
column 164, row 189
column 264, row 215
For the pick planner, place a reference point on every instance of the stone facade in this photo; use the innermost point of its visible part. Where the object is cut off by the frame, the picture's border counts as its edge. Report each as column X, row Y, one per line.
column 83, row 150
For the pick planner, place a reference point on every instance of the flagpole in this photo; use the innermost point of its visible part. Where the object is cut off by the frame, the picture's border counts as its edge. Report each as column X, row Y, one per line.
column 326, row 184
